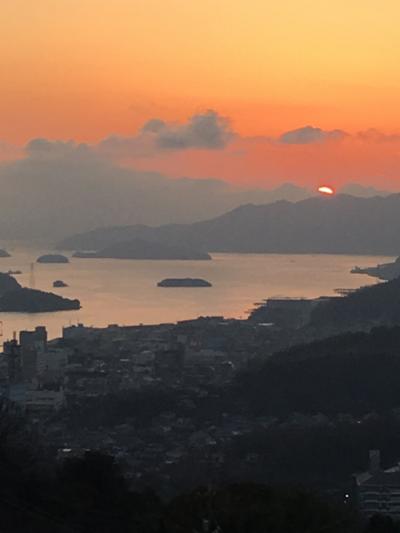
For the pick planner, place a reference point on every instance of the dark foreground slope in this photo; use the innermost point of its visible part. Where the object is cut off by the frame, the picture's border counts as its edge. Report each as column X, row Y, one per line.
column 307, row 416
column 374, row 305
column 90, row 494
column 342, row 224
column 356, row 373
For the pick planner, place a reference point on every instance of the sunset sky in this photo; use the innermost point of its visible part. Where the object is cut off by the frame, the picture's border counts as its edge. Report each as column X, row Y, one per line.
column 85, row 70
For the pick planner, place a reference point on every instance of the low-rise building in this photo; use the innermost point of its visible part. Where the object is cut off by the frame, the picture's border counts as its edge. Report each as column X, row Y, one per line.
column 377, row 490
column 44, row 400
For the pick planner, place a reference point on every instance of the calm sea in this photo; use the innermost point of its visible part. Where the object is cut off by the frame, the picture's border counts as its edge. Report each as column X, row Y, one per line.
column 125, row 291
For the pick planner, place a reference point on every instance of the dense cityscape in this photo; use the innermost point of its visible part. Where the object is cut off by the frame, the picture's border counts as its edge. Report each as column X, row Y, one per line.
column 178, row 406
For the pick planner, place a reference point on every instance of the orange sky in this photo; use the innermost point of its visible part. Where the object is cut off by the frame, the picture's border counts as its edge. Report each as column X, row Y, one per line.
column 83, row 69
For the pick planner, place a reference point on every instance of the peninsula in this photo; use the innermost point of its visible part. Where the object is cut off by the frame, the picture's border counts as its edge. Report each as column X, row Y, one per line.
column 8, row 283
column 17, row 299
column 33, row 301
column 384, row 271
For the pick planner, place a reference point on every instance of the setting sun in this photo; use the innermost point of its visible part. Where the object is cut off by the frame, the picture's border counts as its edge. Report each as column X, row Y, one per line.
column 326, row 190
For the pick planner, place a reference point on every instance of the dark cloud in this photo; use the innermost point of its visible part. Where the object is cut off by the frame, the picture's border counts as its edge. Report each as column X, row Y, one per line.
column 309, row 135
column 154, row 125
column 374, row 135
column 208, row 131
column 47, row 148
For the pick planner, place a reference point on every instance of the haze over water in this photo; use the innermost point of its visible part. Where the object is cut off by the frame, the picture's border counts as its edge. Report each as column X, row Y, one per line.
column 125, row 292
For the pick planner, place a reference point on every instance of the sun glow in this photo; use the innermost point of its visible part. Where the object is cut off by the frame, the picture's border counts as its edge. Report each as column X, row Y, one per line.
column 326, row 190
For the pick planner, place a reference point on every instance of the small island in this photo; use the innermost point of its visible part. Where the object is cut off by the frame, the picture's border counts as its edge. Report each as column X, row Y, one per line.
column 52, row 258
column 59, row 283
column 4, row 253
column 184, row 282
column 140, row 249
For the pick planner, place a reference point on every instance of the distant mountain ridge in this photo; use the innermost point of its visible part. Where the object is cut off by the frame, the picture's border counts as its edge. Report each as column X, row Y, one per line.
column 342, row 224
column 363, row 191
column 38, row 195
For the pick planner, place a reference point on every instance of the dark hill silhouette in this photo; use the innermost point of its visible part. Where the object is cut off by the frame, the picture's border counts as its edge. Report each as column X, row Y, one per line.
column 352, row 373
column 374, row 305
column 342, row 224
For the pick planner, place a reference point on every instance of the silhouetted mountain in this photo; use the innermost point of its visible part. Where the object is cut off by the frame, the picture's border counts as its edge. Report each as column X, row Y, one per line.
column 340, row 224
column 140, row 249
column 363, row 191
column 286, row 191
column 40, row 191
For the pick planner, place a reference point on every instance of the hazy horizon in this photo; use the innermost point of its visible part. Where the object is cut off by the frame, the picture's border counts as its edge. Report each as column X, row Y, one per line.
column 54, row 180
